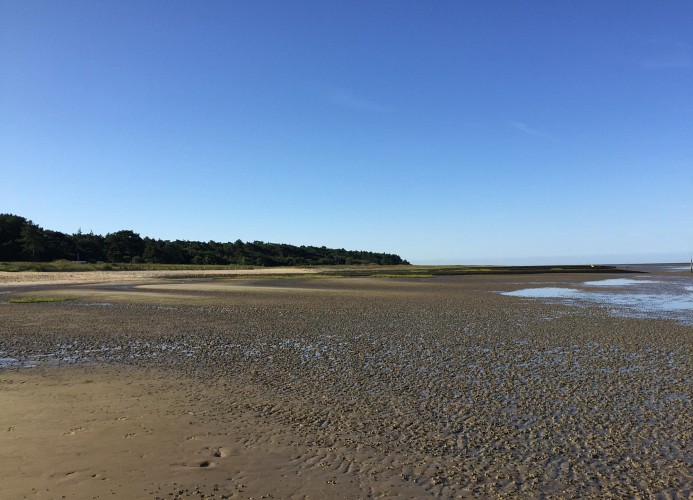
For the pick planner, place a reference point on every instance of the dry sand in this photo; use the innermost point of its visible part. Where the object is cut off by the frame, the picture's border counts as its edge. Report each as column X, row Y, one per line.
column 43, row 278
column 341, row 387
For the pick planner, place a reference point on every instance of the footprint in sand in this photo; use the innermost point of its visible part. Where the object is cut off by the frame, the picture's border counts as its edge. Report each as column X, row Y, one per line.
column 202, row 464
column 221, row 452
column 74, row 431
column 69, row 475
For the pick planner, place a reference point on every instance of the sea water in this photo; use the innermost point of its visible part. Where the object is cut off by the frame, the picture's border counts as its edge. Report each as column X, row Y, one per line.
column 669, row 297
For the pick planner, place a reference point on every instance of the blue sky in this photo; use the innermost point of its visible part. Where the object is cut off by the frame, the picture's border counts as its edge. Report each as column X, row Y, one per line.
column 446, row 132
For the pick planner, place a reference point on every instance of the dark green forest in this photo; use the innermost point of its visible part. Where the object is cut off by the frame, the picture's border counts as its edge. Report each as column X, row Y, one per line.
column 22, row 240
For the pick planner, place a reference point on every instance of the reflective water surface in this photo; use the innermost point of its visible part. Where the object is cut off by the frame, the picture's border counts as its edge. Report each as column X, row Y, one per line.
column 615, row 282
column 643, row 297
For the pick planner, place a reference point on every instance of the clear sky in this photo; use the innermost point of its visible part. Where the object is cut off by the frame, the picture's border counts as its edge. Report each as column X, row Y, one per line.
column 446, row 132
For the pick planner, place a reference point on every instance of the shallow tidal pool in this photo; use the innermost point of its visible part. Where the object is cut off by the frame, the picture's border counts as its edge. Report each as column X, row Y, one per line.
column 669, row 297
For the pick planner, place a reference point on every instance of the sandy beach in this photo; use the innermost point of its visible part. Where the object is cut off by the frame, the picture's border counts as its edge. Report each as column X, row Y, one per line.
column 146, row 386
column 25, row 278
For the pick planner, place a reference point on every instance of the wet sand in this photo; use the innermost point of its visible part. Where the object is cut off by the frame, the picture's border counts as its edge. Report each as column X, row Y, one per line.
column 95, row 432
column 324, row 388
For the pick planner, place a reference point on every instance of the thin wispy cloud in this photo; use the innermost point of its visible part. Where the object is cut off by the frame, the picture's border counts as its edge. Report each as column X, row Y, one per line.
column 526, row 129
column 667, row 54
column 348, row 99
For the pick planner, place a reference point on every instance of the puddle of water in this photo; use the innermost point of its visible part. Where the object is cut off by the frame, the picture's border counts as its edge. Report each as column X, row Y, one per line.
column 649, row 302
column 547, row 293
column 643, row 298
column 616, row 282
column 678, row 268
column 14, row 362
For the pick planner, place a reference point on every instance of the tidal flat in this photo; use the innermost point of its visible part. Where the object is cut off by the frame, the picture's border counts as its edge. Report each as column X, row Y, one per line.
column 342, row 388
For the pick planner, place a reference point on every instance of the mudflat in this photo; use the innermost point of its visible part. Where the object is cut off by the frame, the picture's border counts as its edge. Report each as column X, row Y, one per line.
column 149, row 387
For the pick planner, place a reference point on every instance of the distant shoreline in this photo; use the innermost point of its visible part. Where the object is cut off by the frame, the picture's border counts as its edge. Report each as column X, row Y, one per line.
column 63, row 271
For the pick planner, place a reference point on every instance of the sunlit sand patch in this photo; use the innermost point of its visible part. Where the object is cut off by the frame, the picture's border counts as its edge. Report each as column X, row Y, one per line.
column 379, row 286
column 226, row 286
column 40, row 278
column 137, row 443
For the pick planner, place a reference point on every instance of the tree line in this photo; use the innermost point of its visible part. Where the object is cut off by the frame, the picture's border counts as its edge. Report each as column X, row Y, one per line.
column 22, row 240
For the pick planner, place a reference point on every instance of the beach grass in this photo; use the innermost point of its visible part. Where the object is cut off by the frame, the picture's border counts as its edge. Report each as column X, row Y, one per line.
column 37, row 300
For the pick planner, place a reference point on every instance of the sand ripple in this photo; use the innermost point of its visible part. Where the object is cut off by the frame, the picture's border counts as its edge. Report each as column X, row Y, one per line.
column 446, row 386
